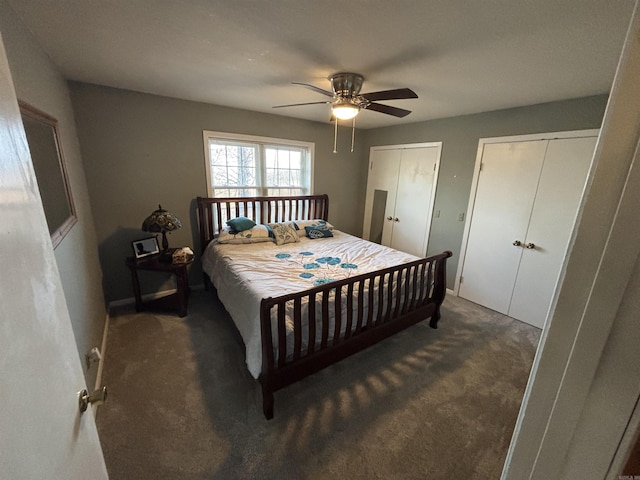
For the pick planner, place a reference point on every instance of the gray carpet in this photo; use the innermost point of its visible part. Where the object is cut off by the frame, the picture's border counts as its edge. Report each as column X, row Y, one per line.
column 425, row 404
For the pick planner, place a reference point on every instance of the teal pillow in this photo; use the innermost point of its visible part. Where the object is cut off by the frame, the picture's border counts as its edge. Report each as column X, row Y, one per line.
column 318, row 232
column 240, row 224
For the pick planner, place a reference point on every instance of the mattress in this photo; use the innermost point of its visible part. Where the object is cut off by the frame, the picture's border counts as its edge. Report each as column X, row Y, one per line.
column 244, row 274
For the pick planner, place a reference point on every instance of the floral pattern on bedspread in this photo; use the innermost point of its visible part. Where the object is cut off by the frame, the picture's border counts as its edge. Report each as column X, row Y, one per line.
column 325, row 269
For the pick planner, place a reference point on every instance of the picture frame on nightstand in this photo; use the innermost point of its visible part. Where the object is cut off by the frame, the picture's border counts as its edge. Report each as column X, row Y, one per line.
column 145, row 247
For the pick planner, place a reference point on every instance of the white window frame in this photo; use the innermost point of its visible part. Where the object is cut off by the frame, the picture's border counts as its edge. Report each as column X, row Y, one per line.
column 208, row 135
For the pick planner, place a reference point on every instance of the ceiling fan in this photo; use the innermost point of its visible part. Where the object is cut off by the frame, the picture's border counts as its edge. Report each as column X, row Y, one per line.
column 347, row 101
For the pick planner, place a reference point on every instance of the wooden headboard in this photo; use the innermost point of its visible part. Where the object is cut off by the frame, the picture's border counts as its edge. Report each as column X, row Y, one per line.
column 214, row 212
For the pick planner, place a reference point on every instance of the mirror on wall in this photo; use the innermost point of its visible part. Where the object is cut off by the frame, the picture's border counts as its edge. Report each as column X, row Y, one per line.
column 377, row 215
column 48, row 162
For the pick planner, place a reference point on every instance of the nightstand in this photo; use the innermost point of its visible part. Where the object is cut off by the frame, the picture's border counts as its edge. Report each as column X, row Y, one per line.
column 176, row 301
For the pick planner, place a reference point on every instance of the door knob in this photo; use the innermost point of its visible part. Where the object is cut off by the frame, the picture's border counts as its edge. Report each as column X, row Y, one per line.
column 389, row 218
column 396, row 219
column 98, row 397
column 517, row 243
column 530, row 246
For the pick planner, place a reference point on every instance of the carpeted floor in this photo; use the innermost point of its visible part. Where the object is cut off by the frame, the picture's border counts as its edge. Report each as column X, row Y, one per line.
column 425, row 404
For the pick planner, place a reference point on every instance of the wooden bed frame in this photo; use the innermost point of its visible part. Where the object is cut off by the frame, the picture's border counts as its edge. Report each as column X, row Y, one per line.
column 421, row 297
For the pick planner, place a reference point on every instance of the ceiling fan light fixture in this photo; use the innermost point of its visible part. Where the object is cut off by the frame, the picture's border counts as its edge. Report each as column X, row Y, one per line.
column 345, row 110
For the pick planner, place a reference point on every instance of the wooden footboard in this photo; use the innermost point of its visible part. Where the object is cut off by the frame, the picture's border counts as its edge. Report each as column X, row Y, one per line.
column 307, row 331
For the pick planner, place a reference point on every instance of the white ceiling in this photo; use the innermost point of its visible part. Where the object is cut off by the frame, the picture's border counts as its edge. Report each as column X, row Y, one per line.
column 459, row 56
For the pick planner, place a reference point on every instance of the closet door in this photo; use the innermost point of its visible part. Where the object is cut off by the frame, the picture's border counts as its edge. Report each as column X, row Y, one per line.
column 416, row 183
column 504, row 199
column 525, row 205
column 380, row 204
column 562, row 182
column 400, row 193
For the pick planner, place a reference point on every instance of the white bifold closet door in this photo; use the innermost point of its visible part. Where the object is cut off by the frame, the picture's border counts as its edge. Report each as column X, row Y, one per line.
column 525, row 205
column 400, row 193
column 503, row 203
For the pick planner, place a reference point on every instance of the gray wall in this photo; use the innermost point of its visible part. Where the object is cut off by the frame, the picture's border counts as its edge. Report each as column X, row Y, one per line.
column 39, row 83
column 460, row 136
column 140, row 150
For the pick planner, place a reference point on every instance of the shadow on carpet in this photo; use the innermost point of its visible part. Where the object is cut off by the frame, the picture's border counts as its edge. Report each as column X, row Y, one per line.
column 424, row 404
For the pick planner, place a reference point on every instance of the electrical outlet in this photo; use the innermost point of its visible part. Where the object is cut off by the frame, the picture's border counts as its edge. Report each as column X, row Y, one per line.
column 461, row 217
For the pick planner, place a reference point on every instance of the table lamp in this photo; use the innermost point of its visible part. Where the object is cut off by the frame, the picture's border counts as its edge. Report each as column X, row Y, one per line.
column 161, row 221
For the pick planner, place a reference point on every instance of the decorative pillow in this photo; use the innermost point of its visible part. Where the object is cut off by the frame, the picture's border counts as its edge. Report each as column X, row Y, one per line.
column 301, row 224
column 259, row 233
column 240, row 224
column 284, row 233
column 317, row 232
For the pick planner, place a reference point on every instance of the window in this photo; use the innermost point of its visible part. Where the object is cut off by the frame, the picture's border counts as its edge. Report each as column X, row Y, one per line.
column 248, row 166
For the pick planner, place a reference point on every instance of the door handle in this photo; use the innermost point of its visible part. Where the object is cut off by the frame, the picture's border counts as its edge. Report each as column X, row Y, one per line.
column 389, row 218
column 396, row 219
column 530, row 246
column 98, row 397
column 517, row 243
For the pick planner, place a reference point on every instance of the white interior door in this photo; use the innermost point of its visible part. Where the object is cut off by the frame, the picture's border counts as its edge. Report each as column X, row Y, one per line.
column 562, row 182
column 380, row 204
column 401, row 189
column 414, row 200
column 504, row 198
column 42, row 433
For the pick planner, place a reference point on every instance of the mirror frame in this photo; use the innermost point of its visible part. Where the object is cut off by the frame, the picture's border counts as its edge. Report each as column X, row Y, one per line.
column 58, row 232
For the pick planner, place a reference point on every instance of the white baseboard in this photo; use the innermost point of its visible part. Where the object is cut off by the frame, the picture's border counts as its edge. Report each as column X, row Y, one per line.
column 149, row 296
column 131, row 300
column 451, row 292
column 103, row 351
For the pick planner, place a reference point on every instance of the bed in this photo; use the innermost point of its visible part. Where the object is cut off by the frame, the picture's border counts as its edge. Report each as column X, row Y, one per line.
column 302, row 304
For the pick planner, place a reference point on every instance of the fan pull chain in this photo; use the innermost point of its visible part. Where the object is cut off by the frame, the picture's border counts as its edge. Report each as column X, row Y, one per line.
column 335, row 135
column 353, row 133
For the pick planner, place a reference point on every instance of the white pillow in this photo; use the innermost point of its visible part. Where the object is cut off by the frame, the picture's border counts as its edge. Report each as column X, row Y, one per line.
column 259, row 233
column 284, row 233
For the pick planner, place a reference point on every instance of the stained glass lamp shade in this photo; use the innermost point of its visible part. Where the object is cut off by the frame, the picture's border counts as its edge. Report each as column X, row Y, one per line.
column 161, row 221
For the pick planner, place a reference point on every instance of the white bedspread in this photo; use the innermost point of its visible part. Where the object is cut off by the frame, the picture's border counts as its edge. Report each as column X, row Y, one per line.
column 245, row 274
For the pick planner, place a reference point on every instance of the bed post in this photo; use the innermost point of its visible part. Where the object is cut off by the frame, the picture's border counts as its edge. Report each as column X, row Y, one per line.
column 440, row 288
column 266, row 377
column 267, row 400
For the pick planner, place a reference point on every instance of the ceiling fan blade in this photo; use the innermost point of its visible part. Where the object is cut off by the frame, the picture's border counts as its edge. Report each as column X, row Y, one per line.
column 299, row 104
column 397, row 94
column 396, row 112
column 315, row 89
